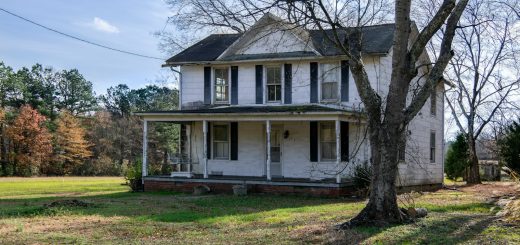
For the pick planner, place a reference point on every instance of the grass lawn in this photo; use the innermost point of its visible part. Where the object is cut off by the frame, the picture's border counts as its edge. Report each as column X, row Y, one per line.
column 118, row 216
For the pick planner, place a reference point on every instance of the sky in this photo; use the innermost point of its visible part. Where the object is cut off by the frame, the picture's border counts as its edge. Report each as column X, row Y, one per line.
column 121, row 24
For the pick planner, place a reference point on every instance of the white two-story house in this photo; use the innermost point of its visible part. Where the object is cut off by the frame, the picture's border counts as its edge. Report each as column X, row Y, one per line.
column 276, row 108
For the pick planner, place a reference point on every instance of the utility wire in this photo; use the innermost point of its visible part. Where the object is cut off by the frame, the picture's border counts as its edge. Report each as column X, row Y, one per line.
column 78, row 38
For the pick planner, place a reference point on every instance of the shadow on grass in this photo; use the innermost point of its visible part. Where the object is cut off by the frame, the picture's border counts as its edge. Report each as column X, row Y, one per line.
column 170, row 207
column 436, row 229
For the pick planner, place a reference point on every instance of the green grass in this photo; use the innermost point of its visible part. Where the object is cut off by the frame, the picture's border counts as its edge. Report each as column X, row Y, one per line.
column 119, row 216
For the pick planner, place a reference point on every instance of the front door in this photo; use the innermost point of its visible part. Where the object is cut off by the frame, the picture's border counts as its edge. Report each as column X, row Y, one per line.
column 276, row 150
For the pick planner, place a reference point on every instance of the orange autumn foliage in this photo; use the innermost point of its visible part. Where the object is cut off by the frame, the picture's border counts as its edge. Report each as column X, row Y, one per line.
column 72, row 147
column 31, row 141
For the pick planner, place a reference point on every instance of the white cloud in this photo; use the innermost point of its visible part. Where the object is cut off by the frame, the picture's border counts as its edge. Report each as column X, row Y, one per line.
column 103, row 25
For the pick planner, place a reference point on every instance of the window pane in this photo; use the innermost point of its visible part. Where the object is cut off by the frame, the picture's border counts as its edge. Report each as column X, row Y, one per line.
column 275, row 154
column 221, row 150
column 221, row 84
column 328, row 151
column 329, row 91
column 328, row 132
column 273, row 75
column 328, row 141
column 278, row 92
column 271, row 93
column 329, row 81
column 221, row 132
column 433, row 103
column 221, row 76
column 329, row 73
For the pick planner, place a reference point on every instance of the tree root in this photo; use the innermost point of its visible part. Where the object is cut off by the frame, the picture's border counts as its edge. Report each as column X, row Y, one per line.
column 365, row 218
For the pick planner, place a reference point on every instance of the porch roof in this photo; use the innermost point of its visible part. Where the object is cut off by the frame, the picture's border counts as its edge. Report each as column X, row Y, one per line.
column 255, row 110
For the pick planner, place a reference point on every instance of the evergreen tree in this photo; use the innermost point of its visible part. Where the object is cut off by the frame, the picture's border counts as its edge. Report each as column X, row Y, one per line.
column 457, row 158
column 509, row 147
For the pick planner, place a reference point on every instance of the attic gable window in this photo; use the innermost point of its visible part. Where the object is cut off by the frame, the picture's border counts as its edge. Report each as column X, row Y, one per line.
column 329, row 81
column 274, row 83
column 221, row 85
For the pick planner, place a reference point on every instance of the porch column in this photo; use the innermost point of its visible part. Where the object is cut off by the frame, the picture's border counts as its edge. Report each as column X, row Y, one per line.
column 205, row 158
column 144, row 170
column 338, row 150
column 268, row 166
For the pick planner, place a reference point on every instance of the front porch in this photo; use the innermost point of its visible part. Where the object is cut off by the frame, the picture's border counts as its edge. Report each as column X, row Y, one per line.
column 254, row 184
column 291, row 147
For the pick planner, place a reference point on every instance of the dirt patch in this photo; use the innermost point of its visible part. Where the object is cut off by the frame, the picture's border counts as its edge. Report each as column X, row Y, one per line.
column 68, row 203
column 493, row 189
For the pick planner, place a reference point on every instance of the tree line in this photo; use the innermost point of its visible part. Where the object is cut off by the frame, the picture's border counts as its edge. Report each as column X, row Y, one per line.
column 53, row 123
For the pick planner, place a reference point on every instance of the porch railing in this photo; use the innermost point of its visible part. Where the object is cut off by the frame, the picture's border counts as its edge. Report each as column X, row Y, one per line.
column 182, row 165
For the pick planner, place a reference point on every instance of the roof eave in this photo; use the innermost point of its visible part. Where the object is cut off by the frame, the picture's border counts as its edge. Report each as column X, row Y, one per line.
column 175, row 64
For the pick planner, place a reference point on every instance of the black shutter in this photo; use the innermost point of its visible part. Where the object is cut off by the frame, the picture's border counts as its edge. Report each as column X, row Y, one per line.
column 344, row 141
column 234, row 85
column 207, row 85
column 234, row 140
column 259, row 84
column 344, row 80
column 288, row 83
column 314, row 82
column 208, row 142
column 313, row 137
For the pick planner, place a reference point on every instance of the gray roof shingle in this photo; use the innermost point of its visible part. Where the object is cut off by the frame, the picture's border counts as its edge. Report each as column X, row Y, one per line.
column 376, row 39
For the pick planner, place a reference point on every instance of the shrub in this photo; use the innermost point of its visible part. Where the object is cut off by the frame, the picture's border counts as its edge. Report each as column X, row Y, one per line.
column 362, row 176
column 133, row 176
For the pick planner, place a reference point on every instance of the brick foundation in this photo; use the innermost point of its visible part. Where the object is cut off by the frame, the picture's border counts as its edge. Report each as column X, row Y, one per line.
column 187, row 187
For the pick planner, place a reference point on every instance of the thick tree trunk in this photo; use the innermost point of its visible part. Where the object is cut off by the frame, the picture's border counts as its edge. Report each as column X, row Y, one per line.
column 382, row 208
column 473, row 176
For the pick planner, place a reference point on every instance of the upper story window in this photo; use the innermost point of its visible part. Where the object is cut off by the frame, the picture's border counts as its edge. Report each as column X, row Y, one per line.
column 274, row 83
column 329, row 81
column 432, row 146
column 328, row 141
column 221, row 85
column 433, row 103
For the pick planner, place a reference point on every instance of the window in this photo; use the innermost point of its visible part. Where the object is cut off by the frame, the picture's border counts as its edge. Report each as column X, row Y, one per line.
column 433, row 103
column 274, row 84
column 221, row 141
column 401, row 153
column 432, row 147
column 221, row 85
column 329, row 81
column 328, row 141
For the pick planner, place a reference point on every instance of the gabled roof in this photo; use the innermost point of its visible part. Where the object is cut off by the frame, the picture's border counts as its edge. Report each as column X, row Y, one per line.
column 207, row 49
column 376, row 39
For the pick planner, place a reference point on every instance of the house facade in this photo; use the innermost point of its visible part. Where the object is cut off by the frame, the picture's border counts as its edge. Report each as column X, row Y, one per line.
column 276, row 109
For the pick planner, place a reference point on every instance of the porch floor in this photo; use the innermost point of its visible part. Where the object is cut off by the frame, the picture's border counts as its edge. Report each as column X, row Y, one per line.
column 255, row 180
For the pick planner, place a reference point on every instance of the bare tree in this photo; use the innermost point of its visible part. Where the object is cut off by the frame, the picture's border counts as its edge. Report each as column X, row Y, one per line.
column 484, row 70
column 388, row 115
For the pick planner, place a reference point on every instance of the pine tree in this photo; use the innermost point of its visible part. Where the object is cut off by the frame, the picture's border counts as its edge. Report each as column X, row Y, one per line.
column 31, row 142
column 510, row 147
column 71, row 146
column 457, row 158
